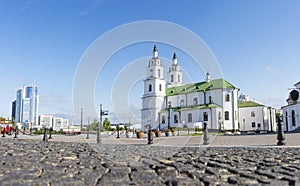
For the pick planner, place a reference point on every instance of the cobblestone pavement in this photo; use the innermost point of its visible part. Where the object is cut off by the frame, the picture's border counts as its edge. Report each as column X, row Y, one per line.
column 32, row 162
column 292, row 139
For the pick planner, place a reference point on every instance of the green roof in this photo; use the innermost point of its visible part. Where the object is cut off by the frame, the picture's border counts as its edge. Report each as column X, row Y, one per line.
column 249, row 104
column 176, row 109
column 199, row 87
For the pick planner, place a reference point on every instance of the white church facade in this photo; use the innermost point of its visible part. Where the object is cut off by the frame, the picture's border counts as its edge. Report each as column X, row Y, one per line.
column 170, row 103
column 291, row 112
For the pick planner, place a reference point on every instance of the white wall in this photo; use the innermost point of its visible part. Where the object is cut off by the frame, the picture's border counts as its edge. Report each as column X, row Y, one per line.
column 287, row 117
column 245, row 118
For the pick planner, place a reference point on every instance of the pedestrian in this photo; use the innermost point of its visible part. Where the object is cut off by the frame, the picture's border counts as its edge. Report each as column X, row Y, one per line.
column 7, row 129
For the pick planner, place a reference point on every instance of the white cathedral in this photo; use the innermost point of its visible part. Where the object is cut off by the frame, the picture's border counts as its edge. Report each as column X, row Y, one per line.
column 171, row 103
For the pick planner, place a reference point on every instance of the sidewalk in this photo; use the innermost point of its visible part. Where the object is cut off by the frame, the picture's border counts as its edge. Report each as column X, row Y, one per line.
column 292, row 139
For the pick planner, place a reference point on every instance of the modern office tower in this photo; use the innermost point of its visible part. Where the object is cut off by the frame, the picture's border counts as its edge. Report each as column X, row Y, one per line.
column 13, row 110
column 27, row 104
column 18, row 111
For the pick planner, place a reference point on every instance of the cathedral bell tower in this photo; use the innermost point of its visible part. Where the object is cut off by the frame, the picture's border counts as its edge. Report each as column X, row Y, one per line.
column 175, row 73
column 154, row 92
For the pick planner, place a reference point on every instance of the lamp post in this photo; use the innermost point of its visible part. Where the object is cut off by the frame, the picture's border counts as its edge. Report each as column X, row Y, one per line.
column 169, row 110
column 99, row 125
column 81, row 109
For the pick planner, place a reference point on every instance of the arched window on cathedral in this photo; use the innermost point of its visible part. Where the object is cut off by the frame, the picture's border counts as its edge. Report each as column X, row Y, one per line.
column 210, row 99
column 195, row 101
column 226, row 115
column 227, row 97
column 151, row 72
column 150, row 88
column 159, row 87
column 163, row 119
column 293, row 118
column 172, row 78
column 205, row 116
column 182, row 102
column 178, row 78
column 190, row 117
column 158, row 71
column 286, row 119
column 175, row 118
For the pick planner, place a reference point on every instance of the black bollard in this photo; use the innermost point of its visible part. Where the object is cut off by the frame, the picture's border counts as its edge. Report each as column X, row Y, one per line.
column 118, row 132
column 205, row 136
column 150, row 137
column 126, row 132
column 177, row 131
column 188, row 131
column 50, row 133
column 280, row 133
column 16, row 132
column 3, row 133
column 88, row 132
column 45, row 135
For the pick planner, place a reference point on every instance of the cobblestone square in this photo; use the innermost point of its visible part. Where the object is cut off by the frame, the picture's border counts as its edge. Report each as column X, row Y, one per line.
column 133, row 162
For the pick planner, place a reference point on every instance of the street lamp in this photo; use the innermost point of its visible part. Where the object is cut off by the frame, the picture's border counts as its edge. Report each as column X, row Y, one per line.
column 102, row 113
column 81, row 119
column 169, row 110
column 99, row 125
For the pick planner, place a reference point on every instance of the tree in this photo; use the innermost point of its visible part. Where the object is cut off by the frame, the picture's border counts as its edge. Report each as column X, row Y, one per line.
column 106, row 124
column 94, row 125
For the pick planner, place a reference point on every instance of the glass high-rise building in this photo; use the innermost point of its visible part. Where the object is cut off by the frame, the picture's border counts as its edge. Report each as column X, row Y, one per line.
column 27, row 105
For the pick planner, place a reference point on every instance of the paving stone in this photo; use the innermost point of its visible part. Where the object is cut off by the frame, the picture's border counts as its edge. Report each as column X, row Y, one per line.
column 29, row 162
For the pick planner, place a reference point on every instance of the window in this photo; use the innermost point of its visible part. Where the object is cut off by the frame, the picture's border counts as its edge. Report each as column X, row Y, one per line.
column 195, row 102
column 158, row 72
column 293, row 118
column 182, row 102
column 163, row 119
column 172, row 78
column 205, row 116
column 253, row 124
column 175, row 118
column 159, row 87
column 210, row 99
column 226, row 115
column 178, row 78
column 252, row 114
column 227, row 97
column 151, row 72
column 258, row 125
column 190, row 117
column 286, row 118
column 150, row 88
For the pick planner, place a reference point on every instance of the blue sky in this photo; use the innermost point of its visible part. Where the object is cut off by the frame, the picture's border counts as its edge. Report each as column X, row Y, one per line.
column 255, row 42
